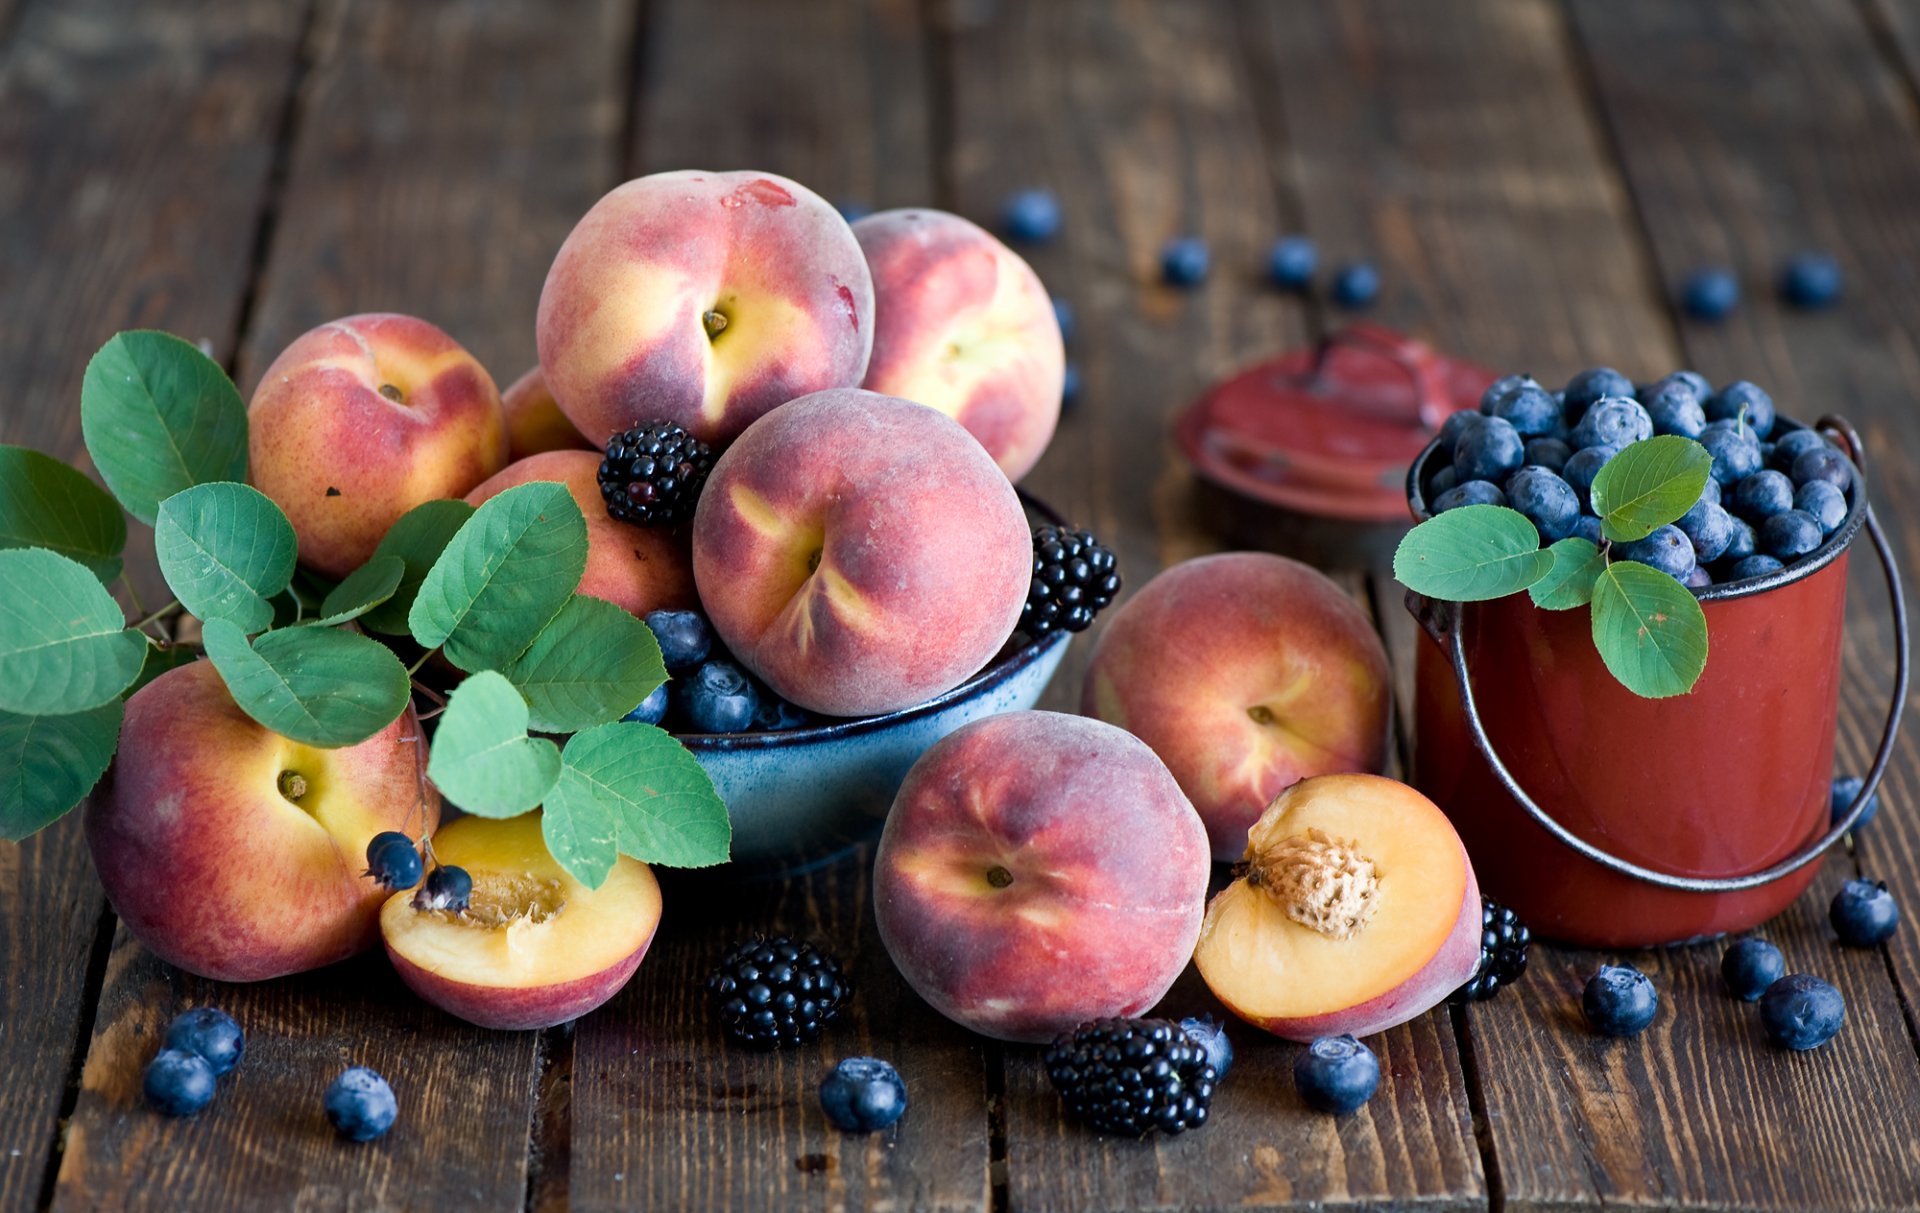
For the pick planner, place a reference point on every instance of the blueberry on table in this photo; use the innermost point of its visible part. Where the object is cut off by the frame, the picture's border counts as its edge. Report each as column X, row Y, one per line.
column 1749, row 967
column 652, row 709
column 1031, row 216
column 863, row 1095
column 211, row 1033
column 1863, row 913
column 1790, row 446
column 1735, row 451
column 1810, row 280
column 1594, row 383
column 1209, row 1034
column 360, row 1105
column 1471, row 492
column 1613, row 421
column 685, row 638
column 178, row 1082
column 1503, row 387
column 1827, row 504
column 1063, row 316
column 1823, row 463
column 1755, row 566
column 393, row 860
column 1356, row 286
column 1489, row 451
column 1675, row 408
column 448, row 887
column 1292, row 262
column 1620, row 1001
column 1762, row 495
column 1667, row 549
column 1548, row 502
column 1743, row 401
column 1184, row 261
column 1532, row 411
column 1583, row 466
column 1336, row 1074
column 1846, row 789
column 719, row 698
column 1549, row 453
column 1790, row 535
column 1709, row 528
column 1710, row 294
column 1801, row 1012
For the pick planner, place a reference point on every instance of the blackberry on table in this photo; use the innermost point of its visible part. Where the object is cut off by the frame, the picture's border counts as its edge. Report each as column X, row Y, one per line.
column 1074, row 578
column 1504, row 941
column 652, row 474
column 1128, row 1077
column 774, row 992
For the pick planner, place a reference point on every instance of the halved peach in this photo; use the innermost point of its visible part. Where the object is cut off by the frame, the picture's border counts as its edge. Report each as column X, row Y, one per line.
column 1357, row 910
column 535, row 947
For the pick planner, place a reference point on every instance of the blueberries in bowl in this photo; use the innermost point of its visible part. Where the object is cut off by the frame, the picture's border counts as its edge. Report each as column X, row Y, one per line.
column 1742, row 401
column 1472, row 492
column 1594, row 384
column 718, row 698
column 1489, row 451
column 1547, row 501
column 685, row 638
column 1667, row 549
column 1613, row 421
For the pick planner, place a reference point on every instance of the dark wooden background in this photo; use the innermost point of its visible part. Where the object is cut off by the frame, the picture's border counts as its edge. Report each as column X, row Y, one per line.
column 1532, row 178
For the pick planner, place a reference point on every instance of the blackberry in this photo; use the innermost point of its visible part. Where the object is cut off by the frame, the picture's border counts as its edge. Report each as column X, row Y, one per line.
column 1073, row 580
column 1504, row 940
column 1128, row 1077
column 652, row 474
column 773, row 992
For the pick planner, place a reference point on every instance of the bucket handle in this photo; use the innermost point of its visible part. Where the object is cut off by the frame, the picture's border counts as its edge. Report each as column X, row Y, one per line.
column 1706, row 884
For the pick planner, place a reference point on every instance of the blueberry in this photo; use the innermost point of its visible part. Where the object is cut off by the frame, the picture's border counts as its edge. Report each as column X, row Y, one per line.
column 1824, row 463
column 1762, row 495
column 1503, row 387
column 1667, row 549
column 1741, row 400
column 1336, row 1074
column 447, row 887
column 212, row 1034
column 1709, row 528
column 393, row 860
column 1754, row 566
column 1615, row 421
column 178, row 1082
column 1064, row 317
column 360, row 1104
column 1441, row 481
column 853, row 210
column 1689, row 379
column 1184, row 261
column 1790, row 535
column 652, row 709
column 1587, row 527
column 1583, row 466
column 1070, row 387
column 1292, row 261
column 1675, row 409
column 1863, row 913
column 1620, row 1001
column 1736, row 453
column 1549, row 502
column 1790, row 446
column 863, row 1095
column 1455, row 427
column 1810, row 280
column 1710, row 294
column 1697, row 578
column 1031, row 216
column 1594, row 383
column 1801, row 1012
column 1710, row 491
column 1549, row 453
column 1356, row 286
column 772, row 714
column 719, row 698
column 1207, row 1032
column 1827, row 504
column 1749, row 967
column 685, row 639
column 1489, row 451
column 1531, row 410
column 1472, row 492
column 1744, row 542
column 1845, row 789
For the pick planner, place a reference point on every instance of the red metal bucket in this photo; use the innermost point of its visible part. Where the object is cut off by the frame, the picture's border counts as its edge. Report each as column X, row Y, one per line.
column 1608, row 820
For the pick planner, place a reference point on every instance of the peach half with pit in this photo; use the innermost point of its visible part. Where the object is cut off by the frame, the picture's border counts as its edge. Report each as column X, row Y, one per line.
column 1358, row 910
column 534, row 947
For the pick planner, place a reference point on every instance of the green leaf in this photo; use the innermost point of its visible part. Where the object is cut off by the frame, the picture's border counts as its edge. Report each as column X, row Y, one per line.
column 46, row 504
column 506, row 574
column 160, row 659
column 418, row 538
column 632, row 788
column 1649, row 629
column 64, row 645
column 1569, row 583
column 364, row 589
column 1471, row 554
column 482, row 758
column 159, row 416
column 590, row 666
column 225, row 549
column 319, row 686
column 1649, row 484
column 49, row 763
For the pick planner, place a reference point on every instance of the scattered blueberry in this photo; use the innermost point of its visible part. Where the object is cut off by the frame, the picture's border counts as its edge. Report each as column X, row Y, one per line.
column 1801, row 1012
column 1032, row 216
column 1762, row 495
column 360, row 1104
column 1594, row 383
column 1827, row 504
column 1070, row 387
column 1667, row 549
column 1336, row 1074
column 1810, row 280
column 1845, row 789
column 448, row 888
column 1790, row 446
column 1744, row 542
column 210, row 1032
column 1184, row 261
column 1292, row 262
column 1675, row 409
column 178, row 1082
column 1356, row 286
column 1709, row 528
column 1824, row 463
column 1489, row 451
column 863, row 1095
column 1530, row 410
column 719, row 698
column 652, row 709
column 1613, row 421
column 1583, row 466
column 1790, row 535
column 1207, row 1032
column 685, row 638
column 1455, row 427
column 1863, row 913
column 1755, row 566
column 1548, row 502
column 1441, row 481
column 393, row 860
column 1471, row 492
column 1549, row 453
column 1063, row 316
column 1736, row 452
column 1620, row 1001
column 1739, row 401
column 853, row 210
column 1710, row 294
column 1749, row 967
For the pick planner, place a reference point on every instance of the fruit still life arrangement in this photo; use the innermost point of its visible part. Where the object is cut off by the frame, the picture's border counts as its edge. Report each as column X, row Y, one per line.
column 450, row 671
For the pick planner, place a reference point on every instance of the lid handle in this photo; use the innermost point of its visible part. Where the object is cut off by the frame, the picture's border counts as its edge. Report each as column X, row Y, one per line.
column 1432, row 402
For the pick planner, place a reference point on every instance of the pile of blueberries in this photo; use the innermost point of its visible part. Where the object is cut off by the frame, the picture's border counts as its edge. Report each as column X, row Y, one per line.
column 706, row 690
column 1777, row 491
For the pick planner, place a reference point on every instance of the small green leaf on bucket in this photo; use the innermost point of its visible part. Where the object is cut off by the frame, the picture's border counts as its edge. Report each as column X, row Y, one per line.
column 1649, row 484
column 1576, row 564
column 1471, row 554
column 1649, row 629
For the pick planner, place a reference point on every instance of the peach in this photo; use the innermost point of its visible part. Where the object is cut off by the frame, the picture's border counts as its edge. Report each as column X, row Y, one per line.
column 706, row 299
column 362, row 419
column 860, row 553
column 1245, row 672
column 534, row 947
column 236, row 854
column 535, row 423
column 1039, row 870
column 637, row 568
column 962, row 324
column 1359, row 910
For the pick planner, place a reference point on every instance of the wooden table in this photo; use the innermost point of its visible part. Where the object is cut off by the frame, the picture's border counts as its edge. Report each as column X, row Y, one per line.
column 1531, row 177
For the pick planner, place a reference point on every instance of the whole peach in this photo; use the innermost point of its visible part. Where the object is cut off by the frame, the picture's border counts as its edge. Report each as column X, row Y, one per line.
column 1245, row 672
column 962, row 324
column 860, row 553
column 637, row 568
column 1039, row 870
column 535, row 423
column 705, row 299
column 362, row 419
column 236, row 854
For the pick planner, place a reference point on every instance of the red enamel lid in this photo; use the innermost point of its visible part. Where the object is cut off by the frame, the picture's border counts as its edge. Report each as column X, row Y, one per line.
column 1329, row 430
